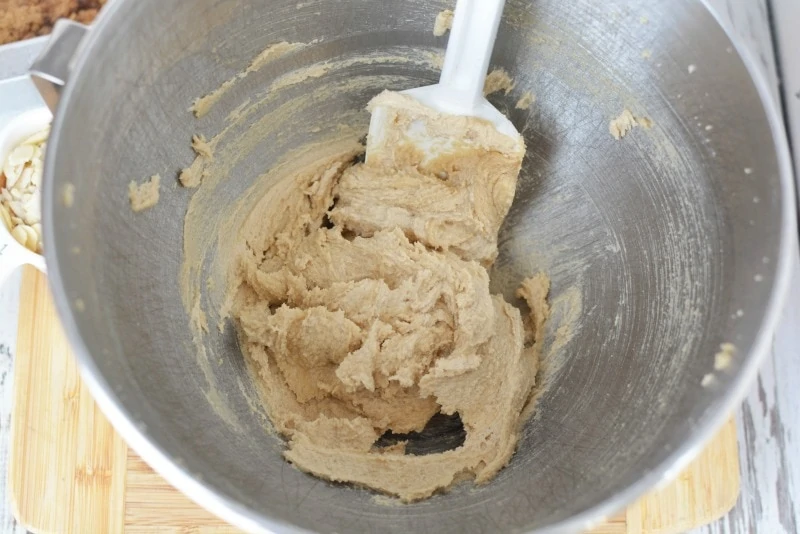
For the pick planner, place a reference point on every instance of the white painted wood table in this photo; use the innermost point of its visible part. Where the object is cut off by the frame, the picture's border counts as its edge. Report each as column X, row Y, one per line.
column 769, row 419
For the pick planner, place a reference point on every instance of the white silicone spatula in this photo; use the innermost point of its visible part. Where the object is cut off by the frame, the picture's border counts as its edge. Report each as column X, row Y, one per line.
column 460, row 87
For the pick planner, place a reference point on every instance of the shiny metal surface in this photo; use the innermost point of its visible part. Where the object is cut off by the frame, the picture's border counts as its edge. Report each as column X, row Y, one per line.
column 51, row 69
column 675, row 238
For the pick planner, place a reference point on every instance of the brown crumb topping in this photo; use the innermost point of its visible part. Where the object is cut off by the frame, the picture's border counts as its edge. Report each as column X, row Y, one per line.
column 23, row 19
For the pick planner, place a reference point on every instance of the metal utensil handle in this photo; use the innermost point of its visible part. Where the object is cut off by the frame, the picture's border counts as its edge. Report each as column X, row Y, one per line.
column 50, row 72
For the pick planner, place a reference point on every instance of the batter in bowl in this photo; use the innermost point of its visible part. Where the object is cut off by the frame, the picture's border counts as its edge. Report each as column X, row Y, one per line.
column 363, row 301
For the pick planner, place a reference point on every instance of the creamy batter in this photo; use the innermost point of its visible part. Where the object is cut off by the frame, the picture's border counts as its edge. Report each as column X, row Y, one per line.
column 498, row 80
column 443, row 23
column 145, row 195
column 362, row 299
column 625, row 122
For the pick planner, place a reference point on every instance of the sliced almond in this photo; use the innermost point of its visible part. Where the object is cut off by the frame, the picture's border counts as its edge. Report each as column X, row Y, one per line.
column 37, row 138
column 12, row 172
column 24, row 179
column 20, row 197
column 21, row 155
column 33, row 208
column 33, row 237
column 38, row 170
column 16, row 208
column 20, row 235
column 6, row 216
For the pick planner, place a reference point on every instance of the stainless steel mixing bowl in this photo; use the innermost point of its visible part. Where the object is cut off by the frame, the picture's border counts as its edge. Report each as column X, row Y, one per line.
column 670, row 242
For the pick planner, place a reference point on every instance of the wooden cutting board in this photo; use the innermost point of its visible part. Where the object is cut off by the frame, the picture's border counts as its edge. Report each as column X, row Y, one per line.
column 71, row 473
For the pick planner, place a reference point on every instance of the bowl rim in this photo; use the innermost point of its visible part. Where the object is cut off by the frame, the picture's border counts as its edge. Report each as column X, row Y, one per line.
column 673, row 463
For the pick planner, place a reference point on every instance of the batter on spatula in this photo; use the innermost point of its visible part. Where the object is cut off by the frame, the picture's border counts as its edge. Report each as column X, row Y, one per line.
column 363, row 301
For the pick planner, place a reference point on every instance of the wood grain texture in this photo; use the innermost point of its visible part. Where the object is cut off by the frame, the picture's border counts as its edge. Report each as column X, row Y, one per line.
column 9, row 304
column 67, row 468
column 153, row 506
column 786, row 16
column 704, row 492
column 70, row 472
column 769, row 418
column 768, row 421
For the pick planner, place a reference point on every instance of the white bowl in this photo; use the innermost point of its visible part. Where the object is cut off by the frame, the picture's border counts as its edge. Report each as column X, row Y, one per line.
column 12, row 254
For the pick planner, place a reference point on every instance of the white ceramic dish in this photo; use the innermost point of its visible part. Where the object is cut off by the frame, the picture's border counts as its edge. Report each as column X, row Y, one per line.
column 13, row 132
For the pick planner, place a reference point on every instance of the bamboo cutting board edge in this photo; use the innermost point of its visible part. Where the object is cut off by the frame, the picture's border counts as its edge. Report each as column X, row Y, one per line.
column 62, row 450
column 126, row 495
column 151, row 501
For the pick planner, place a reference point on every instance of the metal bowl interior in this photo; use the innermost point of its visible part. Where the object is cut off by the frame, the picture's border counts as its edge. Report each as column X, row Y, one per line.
column 667, row 242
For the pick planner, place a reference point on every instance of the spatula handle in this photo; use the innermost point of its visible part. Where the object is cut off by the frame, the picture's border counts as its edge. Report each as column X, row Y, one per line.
column 469, row 49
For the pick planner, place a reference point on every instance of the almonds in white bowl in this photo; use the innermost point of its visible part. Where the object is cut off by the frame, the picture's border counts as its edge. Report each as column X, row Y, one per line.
column 20, row 194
